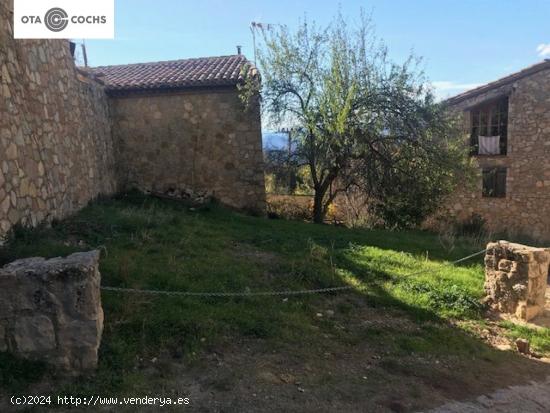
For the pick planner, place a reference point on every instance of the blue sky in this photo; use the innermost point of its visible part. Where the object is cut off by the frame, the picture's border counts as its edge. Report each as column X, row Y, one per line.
column 464, row 42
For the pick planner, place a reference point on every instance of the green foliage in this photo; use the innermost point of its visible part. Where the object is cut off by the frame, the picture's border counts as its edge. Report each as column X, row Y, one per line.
column 289, row 207
column 17, row 374
column 474, row 226
column 450, row 299
column 284, row 175
column 539, row 338
column 429, row 287
column 161, row 244
column 363, row 121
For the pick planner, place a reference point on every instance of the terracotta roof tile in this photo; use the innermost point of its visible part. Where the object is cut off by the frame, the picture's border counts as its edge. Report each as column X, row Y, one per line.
column 174, row 74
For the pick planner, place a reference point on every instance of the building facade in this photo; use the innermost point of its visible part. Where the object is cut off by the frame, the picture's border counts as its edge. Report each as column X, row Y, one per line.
column 180, row 127
column 70, row 134
column 507, row 123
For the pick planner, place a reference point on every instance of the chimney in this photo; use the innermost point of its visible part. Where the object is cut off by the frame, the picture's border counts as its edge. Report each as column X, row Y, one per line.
column 239, row 50
column 72, row 47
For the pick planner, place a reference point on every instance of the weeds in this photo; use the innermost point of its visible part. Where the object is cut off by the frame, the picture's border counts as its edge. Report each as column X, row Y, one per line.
column 165, row 245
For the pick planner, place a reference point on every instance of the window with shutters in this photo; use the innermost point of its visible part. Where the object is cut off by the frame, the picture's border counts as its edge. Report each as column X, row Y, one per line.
column 489, row 120
column 494, row 182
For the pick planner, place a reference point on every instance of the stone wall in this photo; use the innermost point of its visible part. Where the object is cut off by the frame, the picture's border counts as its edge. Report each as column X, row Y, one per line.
column 55, row 134
column 194, row 141
column 516, row 278
column 526, row 207
column 61, row 136
column 51, row 310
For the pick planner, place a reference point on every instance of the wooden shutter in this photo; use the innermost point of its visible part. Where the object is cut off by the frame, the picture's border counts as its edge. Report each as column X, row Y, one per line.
column 474, row 135
column 503, row 126
column 500, row 182
column 494, row 182
column 488, row 182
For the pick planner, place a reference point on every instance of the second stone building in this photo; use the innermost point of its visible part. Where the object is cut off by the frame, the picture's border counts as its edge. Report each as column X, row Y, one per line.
column 180, row 127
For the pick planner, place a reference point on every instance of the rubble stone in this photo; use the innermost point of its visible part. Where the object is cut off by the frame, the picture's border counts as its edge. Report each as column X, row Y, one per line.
column 516, row 278
column 51, row 310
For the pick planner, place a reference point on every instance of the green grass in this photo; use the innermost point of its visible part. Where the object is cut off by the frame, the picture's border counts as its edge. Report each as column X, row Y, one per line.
column 158, row 244
column 16, row 373
column 539, row 338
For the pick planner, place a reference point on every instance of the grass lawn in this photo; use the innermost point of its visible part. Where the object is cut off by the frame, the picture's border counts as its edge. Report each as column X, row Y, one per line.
column 410, row 334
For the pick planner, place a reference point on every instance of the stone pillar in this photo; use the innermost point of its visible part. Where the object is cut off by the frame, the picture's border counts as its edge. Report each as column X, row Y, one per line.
column 516, row 278
column 51, row 310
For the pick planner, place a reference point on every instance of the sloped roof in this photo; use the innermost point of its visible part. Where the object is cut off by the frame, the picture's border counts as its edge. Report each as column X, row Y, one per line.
column 174, row 74
column 500, row 82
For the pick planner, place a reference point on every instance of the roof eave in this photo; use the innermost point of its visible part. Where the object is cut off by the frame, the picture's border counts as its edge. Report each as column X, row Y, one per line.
column 119, row 92
column 497, row 83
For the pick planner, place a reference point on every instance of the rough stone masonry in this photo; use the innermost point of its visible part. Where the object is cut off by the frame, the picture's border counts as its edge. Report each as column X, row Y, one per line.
column 516, row 278
column 51, row 310
column 56, row 147
column 66, row 137
column 525, row 207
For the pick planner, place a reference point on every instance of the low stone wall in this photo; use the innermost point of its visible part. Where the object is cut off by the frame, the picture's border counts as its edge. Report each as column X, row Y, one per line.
column 51, row 310
column 516, row 278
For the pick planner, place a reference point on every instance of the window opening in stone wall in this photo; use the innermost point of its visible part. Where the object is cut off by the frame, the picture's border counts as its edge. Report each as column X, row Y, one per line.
column 489, row 128
column 494, row 182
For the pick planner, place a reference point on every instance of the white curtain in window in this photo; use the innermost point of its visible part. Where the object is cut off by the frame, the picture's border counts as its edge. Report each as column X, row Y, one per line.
column 489, row 145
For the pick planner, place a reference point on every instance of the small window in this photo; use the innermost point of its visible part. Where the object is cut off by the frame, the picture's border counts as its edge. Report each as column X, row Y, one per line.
column 490, row 120
column 494, row 182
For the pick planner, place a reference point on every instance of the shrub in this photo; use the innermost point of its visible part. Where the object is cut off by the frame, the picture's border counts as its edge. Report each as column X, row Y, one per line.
column 290, row 207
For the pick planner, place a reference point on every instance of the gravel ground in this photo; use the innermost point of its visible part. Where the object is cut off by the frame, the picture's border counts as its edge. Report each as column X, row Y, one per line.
column 534, row 397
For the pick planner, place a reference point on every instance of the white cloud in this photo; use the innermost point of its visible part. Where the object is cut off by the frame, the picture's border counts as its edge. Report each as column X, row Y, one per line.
column 444, row 85
column 445, row 88
column 543, row 49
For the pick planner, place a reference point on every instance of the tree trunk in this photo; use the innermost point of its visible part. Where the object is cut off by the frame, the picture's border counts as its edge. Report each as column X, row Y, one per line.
column 318, row 207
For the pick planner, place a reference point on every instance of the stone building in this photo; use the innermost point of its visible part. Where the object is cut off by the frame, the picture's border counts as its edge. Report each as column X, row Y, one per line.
column 508, row 128
column 180, row 126
column 68, row 135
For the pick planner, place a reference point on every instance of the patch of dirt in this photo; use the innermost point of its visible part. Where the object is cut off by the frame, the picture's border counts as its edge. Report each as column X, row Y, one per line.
column 491, row 333
column 342, row 369
column 256, row 255
column 265, row 259
column 330, row 374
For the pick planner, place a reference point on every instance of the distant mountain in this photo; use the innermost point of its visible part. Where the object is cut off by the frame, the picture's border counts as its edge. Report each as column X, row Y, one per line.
column 274, row 140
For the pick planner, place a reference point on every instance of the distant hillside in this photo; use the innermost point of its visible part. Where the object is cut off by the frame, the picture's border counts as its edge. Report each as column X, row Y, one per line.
column 274, row 140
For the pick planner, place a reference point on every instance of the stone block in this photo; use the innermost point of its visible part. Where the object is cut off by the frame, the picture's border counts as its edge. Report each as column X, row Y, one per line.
column 35, row 333
column 516, row 278
column 505, row 265
column 55, row 310
column 3, row 343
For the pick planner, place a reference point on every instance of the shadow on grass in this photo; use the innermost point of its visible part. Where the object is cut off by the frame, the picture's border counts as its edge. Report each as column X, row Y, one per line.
column 480, row 368
column 158, row 244
column 17, row 374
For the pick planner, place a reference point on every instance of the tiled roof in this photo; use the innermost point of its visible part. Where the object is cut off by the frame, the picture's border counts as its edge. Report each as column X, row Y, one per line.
column 500, row 82
column 173, row 74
